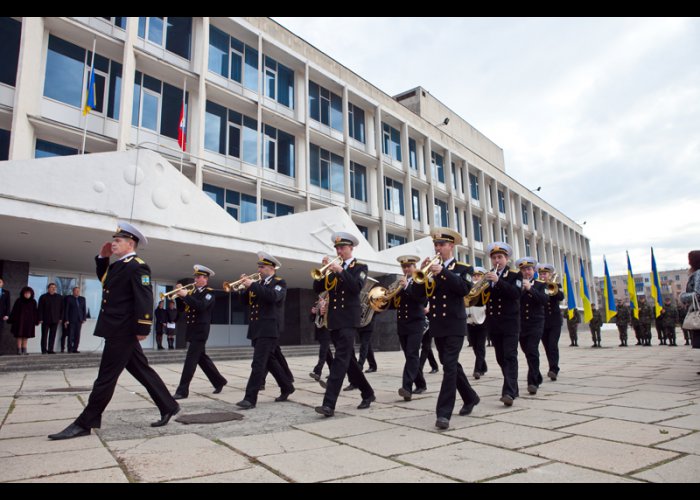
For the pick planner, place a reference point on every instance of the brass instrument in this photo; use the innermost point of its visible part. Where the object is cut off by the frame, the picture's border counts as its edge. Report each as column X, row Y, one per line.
column 319, row 274
column 472, row 297
column 168, row 295
column 422, row 275
column 551, row 286
column 366, row 311
column 237, row 286
column 321, row 319
column 380, row 297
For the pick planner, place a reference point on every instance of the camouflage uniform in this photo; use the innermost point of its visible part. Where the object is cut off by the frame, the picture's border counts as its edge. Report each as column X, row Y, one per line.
column 594, row 325
column 622, row 319
column 636, row 327
column 658, row 324
column 669, row 318
column 645, row 317
column 572, row 325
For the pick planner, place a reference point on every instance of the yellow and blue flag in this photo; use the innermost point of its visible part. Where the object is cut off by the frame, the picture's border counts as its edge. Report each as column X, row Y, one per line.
column 631, row 289
column 585, row 295
column 90, row 98
column 610, row 307
column 568, row 291
column 655, row 286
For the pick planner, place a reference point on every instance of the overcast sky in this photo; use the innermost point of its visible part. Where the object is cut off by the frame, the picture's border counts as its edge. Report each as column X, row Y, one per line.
column 604, row 114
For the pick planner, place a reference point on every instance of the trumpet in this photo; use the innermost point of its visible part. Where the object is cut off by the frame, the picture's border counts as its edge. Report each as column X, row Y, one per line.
column 424, row 274
column 472, row 297
column 319, row 274
column 551, row 286
column 174, row 291
column 237, row 286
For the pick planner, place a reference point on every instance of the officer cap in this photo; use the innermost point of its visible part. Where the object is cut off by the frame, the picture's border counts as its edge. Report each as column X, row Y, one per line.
column 126, row 230
column 446, row 235
column 499, row 247
column 526, row 262
column 340, row 238
column 479, row 270
column 268, row 260
column 200, row 270
column 545, row 267
column 406, row 260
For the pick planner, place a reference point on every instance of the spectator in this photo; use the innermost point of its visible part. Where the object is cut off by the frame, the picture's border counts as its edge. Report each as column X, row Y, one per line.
column 4, row 305
column 74, row 315
column 50, row 315
column 24, row 318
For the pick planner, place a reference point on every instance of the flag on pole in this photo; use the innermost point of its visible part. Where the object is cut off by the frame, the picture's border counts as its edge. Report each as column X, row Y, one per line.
column 182, row 127
column 585, row 295
column 90, row 98
column 634, row 305
column 610, row 307
column 655, row 286
column 568, row 291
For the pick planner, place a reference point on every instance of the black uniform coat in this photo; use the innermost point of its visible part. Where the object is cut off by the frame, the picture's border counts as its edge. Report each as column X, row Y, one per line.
column 265, row 303
column 344, row 297
column 4, row 304
column 504, row 296
column 198, row 308
column 532, row 304
column 410, row 308
column 447, row 314
column 127, row 297
column 552, row 313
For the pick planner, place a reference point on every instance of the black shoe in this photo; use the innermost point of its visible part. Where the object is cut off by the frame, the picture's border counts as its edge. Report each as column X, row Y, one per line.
column 366, row 402
column 326, row 411
column 315, row 376
column 218, row 388
column 245, row 404
column 284, row 395
column 177, row 395
column 467, row 408
column 420, row 390
column 63, row 350
column 434, row 370
column 405, row 394
column 75, row 352
column 322, row 383
column 552, row 376
column 50, row 352
column 70, row 432
column 165, row 417
column 442, row 423
column 160, row 347
column 532, row 389
column 507, row 400
column 371, row 370
column 350, row 387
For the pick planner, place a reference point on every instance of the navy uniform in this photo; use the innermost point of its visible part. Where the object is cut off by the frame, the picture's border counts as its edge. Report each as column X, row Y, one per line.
column 552, row 325
column 532, row 304
column 198, row 307
column 503, row 321
column 264, row 300
column 476, row 327
column 323, row 337
column 125, row 315
column 410, row 305
column 448, row 323
column 343, row 318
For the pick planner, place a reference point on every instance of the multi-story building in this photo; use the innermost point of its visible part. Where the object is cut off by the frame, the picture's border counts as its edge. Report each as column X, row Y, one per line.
column 672, row 284
column 274, row 127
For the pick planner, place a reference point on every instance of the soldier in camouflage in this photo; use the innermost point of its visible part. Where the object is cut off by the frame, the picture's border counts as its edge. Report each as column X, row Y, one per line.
column 622, row 319
column 669, row 318
column 682, row 311
column 572, row 326
column 594, row 325
column 645, row 317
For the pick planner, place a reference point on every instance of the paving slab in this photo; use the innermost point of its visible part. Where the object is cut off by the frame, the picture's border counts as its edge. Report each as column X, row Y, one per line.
column 39, row 428
column 41, row 445
column 397, row 440
column 599, row 454
column 633, row 414
column 107, row 475
column 688, row 422
column 650, row 400
column 561, row 473
column 545, row 419
column 405, row 474
column 335, row 427
column 254, row 474
column 626, row 432
column 427, row 422
column 507, row 435
column 683, row 470
column 277, row 442
column 686, row 444
column 27, row 466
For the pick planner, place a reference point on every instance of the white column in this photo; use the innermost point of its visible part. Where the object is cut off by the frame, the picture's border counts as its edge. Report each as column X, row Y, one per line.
column 126, row 103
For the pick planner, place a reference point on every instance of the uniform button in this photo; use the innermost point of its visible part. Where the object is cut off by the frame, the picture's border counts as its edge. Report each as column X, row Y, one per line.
column 433, row 315
column 444, row 314
column 444, row 296
column 104, row 301
column 335, row 307
column 444, row 305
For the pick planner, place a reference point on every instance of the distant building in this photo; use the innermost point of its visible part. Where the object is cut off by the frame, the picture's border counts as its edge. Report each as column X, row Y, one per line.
column 672, row 284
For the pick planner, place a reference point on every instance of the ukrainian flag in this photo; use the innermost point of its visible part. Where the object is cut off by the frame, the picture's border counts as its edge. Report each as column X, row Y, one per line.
column 90, row 99
column 655, row 286
column 610, row 307
column 634, row 305
column 568, row 291
column 585, row 295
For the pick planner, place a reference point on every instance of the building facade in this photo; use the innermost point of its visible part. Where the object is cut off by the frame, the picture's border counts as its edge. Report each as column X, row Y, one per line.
column 274, row 127
column 672, row 285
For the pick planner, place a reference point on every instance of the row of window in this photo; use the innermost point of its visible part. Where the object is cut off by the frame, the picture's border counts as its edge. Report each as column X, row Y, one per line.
column 242, row 207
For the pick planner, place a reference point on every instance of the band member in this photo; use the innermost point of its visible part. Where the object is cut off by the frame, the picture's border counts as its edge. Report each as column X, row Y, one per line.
column 552, row 321
column 264, row 299
column 426, row 349
column 410, row 318
column 124, row 320
column 343, row 281
column 450, row 282
column 476, row 327
column 322, row 336
column 532, row 302
column 503, row 316
column 199, row 304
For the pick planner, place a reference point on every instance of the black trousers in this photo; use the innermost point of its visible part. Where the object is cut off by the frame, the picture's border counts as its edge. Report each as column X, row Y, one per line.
column 426, row 352
column 504, row 335
column 366, row 352
column 123, row 353
column 74, row 328
column 530, row 342
column 595, row 334
column 266, row 358
column 345, row 363
column 50, row 329
column 410, row 339
column 453, row 376
column 197, row 356
column 550, row 342
column 324, row 351
column 477, row 338
column 573, row 333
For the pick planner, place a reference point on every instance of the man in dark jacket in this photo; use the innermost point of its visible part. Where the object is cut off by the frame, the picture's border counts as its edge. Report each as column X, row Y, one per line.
column 50, row 315
column 4, row 305
column 74, row 315
column 552, row 321
column 532, row 302
column 125, row 319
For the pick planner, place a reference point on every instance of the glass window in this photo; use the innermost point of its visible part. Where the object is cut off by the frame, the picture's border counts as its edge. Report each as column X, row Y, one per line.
column 412, row 155
column 524, row 210
column 527, row 247
column 250, row 73
column 250, row 140
column 285, row 153
column 179, row 36
column 149, row 111
column 10, row 33
column 441, row 215
column 46, row 149
column 393, row 240
column 215, row 193
column 170, row 112
column 274, row 209
column 356, row 119
column 249, row 209
column 476, row 224
column 454, row 176
column 336, row 112
column 115, row 89
column 438, row 166
column 474, row 186
column 358, row 181
column 92, row 291
column 325, row 106
column 391, row 142
column 337, row 174
column 393, row 196
column 478, row 261
column 4, row 144
column 214, row 128
column 64, row 72
column 285, row 86
column 501, row 202
column 218, row 52
column 327, row 170
column 415, row 201
column 155, row 30
column 314, row 101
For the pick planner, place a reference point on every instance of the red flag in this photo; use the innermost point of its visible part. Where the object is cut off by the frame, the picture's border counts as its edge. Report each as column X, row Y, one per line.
column 182, row 131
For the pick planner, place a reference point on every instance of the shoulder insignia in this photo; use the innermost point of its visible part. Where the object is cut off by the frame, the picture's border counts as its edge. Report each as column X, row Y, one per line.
column 278, row 288
column 208, row 296
column 460, row 263
column 505, row 273
column 452, row 266
column 145, row 280
column 128, row 259
column 519, row 283
column 139, row 260
column 277, row 278
column 363, row 275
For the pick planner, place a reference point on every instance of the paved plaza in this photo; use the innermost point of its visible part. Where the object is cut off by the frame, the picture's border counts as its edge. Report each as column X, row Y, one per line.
column 614, row 415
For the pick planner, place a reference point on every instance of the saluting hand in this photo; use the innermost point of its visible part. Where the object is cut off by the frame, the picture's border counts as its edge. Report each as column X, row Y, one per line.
column 106, row 250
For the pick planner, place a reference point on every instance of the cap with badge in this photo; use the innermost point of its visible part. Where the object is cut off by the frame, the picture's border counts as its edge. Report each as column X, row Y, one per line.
column 340, row 238
column 200, row 270
column 266, row 259
column 545, row 267
column 499, row 247
column 479, row 270
column 446, row 235
column 126, row 230
column 407, row 260
column 526, row 262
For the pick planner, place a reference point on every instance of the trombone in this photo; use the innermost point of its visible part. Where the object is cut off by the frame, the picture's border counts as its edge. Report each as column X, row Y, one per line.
column 168, row 295
column 319, row 274
column 237, row 286
column 422, row 275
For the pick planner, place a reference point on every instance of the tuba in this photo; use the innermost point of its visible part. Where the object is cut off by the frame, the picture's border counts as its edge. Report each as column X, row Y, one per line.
column 380, row 297
column 237, row 286
column 551, row 286
column 321, row 320
column 473, row 296
column 366, row 311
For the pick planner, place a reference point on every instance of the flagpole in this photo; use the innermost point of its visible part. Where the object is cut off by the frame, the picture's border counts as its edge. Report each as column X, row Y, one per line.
column 184, row 118
column 92, row 66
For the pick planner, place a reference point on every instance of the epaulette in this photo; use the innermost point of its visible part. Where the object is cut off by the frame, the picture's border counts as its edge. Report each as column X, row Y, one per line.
column 139, row 260
column 358, row 263
column 540, row 281
column 460, row 263
column 128, row 259
column 277, row 278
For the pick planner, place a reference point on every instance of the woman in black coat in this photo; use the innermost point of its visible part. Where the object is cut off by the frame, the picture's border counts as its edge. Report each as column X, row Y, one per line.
column 24, row 318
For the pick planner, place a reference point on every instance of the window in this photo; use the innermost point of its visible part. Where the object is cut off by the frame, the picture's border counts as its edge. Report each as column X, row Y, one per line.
column 46, row 149
column 501, row 202
column 10, row 33
column 232, row 59
column 358, row 181
column 504, row 235
column 278, row 151
column 438, row 168
column 393, row 240
column 356, row 122
column 119, row 22
column 527, row 248
column 279, row 83
column 534, row 218
column 174, row 33
column 325, row 106
column 364, row 231
column 393, row 196
column 457, row 222
column 241, row 207
column 524, row 210
column 391, row 142
column 441, row 215
column 476, row 225
column 230, row 133
column 65, row 67
column 454, row 176
column 156, row 105
column 478, row 261
column 327, row 170
column 4, row 144
column 474, row 186
column 274, row 209
column 412, row 155
column 415, row 202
